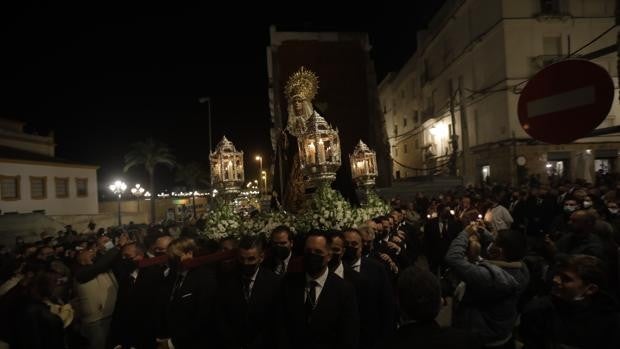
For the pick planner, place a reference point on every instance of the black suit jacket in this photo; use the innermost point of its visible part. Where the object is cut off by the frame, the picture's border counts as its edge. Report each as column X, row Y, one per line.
column 431, row 336
column 335, row 320
column 377, row 308
column 139, row 307
column 436, row 243
column 248, row 324
column 190, row 318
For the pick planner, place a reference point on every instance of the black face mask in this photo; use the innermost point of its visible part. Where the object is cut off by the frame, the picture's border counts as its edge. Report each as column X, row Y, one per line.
column 350, row 254
column 248, row 269
column 280, row 252
column 313, row 263
column 334, row 262
column 128, row 265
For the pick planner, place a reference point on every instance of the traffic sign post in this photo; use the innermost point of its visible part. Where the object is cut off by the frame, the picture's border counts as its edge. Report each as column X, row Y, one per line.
column 565, row 101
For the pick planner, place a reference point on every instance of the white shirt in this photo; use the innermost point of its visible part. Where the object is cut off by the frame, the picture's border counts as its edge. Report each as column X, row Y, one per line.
column 441, row 226
column 284, row 264
column 340, row 270
column 320, row 281
column 357, row 265
column 252, row 279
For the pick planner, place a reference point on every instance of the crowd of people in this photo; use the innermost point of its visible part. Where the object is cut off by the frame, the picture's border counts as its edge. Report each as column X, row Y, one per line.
column 532, row 267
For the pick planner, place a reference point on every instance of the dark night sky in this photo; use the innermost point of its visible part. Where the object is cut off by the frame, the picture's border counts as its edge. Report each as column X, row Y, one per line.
column 105, row 76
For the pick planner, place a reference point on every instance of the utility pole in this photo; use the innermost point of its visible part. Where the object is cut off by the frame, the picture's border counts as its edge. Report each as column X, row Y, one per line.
column 466, row 172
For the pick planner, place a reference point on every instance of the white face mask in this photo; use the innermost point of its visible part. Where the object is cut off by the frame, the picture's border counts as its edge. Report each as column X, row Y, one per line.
column 587, row 204
column 570, row 208
column 613, row 210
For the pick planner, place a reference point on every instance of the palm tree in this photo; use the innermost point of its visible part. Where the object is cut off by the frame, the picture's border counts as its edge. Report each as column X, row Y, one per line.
column 149, row 154
column 192, row 175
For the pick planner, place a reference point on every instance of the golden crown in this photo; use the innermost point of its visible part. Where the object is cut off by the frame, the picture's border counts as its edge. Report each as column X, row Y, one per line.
column 303, row 83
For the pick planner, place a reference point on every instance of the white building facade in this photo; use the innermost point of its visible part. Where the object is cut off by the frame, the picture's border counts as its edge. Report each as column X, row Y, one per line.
column 32, row 179
column 465, row 78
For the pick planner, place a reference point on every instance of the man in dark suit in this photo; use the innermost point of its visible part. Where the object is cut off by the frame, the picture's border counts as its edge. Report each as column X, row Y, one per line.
column 318, row 309
column 438, row 234
column 189, row 319
column 420, row 301
column 377, row 319
column 281, row 242
column 247, row 300
column 128, row 321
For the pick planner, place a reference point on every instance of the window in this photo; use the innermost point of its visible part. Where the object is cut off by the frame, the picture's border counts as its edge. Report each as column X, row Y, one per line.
column 396, row 151
column 404, row 122
column 406, row 148
column 81, row 185
column 552, row 45
column 397, row 174
column 550, row 6
column 486, row 173
column 62, row 187
column 38, row 187
column 395, row 130
column 9, row 187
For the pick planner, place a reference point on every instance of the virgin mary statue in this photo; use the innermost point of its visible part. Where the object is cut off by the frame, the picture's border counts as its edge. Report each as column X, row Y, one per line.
column 300, row 90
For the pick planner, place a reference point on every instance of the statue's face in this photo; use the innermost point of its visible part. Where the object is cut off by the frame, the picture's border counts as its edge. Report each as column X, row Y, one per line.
column 298, row 106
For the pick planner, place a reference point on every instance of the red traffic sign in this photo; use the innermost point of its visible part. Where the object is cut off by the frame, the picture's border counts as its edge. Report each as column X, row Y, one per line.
column 565, row 101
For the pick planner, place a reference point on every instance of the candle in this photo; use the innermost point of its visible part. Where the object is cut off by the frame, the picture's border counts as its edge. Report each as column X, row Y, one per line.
column 360, row 168
column 310, row 153
column 321, row 152
column 228, row 170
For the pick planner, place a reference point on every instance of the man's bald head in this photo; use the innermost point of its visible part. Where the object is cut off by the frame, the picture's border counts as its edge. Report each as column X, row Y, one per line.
column 583, row 221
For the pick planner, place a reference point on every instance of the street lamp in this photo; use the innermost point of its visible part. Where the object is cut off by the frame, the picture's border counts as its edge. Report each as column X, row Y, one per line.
column 260, row 170
column 137, row 191
column 118, row 188
column 208, row 100
column 264, row 178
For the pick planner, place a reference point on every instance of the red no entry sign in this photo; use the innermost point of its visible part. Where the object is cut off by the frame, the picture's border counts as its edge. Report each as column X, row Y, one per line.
column 565, row 101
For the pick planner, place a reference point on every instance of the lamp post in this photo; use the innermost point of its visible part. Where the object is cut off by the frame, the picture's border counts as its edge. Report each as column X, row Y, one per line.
column 208, row 101
column 137, row 191
column 264, row 178
column 118, row 188
column 260, row 170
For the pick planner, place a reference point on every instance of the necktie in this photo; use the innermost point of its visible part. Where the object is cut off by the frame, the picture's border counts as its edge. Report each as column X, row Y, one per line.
column 247, row 291
column 280, row 268
column 311, row 299
column 177, row 285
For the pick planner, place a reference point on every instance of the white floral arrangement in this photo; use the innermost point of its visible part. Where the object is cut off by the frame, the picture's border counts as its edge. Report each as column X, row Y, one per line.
column 222, row 222
column 327, row 210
